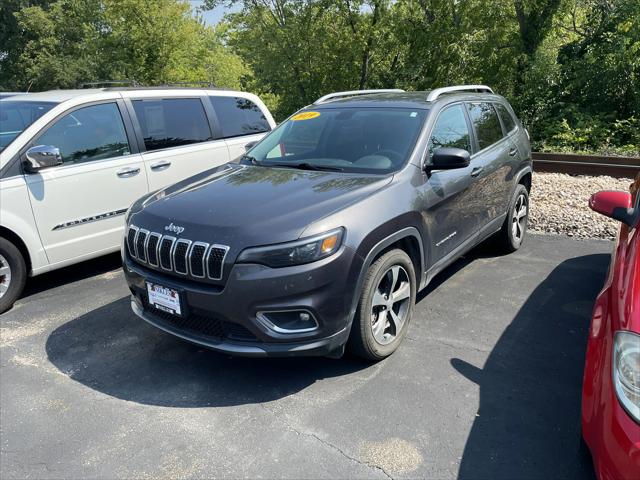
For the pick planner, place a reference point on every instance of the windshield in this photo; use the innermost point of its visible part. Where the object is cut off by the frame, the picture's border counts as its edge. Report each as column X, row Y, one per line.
column 16, row 115
column 366, row 140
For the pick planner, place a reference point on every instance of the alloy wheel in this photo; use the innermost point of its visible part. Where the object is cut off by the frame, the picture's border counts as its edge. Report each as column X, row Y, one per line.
column 519, row 219
column 5, row 276
column 390, row 305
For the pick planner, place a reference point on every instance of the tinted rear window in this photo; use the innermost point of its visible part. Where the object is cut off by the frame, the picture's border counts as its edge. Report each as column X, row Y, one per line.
column 507, row 119
column 239, row 116
column 486, row 124
column 172, row 122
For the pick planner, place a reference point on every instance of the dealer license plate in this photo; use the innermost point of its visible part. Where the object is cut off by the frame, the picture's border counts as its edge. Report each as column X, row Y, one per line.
column 164, row 298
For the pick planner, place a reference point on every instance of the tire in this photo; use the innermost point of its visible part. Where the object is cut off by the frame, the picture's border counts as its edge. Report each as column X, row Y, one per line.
column 13, row 274
column 517, row 219
column 375, row 333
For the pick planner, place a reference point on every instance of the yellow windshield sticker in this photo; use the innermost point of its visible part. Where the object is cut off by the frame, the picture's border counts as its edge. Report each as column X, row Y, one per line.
column 305, row 116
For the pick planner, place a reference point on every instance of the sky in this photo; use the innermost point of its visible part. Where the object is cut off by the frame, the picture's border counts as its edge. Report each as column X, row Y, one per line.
column 211, row 17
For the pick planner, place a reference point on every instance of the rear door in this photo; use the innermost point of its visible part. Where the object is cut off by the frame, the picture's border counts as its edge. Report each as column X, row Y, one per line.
column 177, row 140
column 241, row 122
column 79, row 205
column 490, row 165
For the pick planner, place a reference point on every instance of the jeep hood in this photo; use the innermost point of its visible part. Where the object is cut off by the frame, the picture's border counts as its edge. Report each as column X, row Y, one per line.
column 240, row 205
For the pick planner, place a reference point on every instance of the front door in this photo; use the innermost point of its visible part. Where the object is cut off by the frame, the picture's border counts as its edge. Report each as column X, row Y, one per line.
column 79, row 205
column 448, row 206
column 177, row 139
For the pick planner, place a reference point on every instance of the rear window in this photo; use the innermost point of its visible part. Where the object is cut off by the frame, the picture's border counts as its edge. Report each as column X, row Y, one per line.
column 485, row 123
column 239, row 116
column 172, row 122
column 507, row 120
column 16, row 115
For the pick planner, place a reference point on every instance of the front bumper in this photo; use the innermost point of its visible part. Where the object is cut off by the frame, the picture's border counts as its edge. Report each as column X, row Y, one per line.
column 615, row 443
column 224, row 318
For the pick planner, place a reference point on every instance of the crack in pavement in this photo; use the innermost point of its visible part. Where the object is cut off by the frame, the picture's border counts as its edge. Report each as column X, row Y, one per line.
column 326, row 443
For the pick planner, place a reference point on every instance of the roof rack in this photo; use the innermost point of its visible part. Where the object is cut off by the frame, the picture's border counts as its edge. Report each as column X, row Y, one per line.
column 355, row 93
column 108, row 83
column 434, row 94
column 186, row 84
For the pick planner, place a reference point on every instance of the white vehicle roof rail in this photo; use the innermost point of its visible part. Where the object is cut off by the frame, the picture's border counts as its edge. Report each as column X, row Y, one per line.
column 354, row 93
column 435, row 93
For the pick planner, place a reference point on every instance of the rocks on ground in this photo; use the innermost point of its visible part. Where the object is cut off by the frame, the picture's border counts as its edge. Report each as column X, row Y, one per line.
column 560, row 205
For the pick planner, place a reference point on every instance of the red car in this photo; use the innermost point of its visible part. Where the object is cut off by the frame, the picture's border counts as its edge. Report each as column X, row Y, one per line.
column 611, row 387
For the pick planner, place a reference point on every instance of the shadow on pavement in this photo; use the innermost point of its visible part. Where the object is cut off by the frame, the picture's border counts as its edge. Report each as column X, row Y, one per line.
column 528, row 423
column 72, row 273
column 111, row 350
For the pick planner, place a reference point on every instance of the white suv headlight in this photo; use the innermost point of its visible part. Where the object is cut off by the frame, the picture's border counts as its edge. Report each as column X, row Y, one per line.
column 626, row 371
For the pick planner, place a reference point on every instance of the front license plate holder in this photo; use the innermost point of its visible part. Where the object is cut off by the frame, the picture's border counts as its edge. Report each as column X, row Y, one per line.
column 165, row 299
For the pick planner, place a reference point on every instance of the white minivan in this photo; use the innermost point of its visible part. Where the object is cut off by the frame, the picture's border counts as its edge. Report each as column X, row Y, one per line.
column 72, row 161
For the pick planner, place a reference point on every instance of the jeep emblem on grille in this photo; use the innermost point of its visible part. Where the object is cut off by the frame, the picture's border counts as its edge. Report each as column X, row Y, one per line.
column 174, row 228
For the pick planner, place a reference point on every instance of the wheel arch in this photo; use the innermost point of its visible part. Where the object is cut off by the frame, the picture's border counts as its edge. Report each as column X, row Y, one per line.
column 14, row 238
column 525, row 177
column 410, row 240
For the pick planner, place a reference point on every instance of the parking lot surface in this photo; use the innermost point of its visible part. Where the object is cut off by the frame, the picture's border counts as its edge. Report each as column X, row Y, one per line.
column 486, row 384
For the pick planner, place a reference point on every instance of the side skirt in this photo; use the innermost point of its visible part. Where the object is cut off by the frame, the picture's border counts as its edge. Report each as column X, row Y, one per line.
column 491, row 228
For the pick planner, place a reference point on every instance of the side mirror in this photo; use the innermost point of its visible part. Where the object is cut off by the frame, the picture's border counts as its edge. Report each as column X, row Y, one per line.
column 445, row 158
column 250, row 145
column 613, row 204
column 42, row 156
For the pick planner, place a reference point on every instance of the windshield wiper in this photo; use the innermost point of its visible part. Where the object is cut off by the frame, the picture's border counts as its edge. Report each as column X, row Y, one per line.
column 251, row 159
column 306, row 166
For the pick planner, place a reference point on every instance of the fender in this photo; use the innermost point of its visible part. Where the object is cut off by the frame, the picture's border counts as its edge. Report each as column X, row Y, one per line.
column 380, row 246
column 37, row 256
column 17, row 218
column 522, row 172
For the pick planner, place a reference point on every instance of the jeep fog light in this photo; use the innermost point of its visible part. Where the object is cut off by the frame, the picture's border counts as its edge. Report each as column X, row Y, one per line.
column 289, row 321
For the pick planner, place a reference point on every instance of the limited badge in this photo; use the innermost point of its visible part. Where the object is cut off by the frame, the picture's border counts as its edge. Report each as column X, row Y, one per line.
column 305, row 116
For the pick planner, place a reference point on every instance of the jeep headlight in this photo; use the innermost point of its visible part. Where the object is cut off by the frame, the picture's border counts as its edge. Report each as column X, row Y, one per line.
column 295, row 253
column 626, row 371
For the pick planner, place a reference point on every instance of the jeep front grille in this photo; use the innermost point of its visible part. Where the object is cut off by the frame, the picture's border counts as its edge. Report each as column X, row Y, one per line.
column 177, row 255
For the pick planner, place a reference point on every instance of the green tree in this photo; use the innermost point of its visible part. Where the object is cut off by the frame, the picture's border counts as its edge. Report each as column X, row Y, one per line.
column 73, row 41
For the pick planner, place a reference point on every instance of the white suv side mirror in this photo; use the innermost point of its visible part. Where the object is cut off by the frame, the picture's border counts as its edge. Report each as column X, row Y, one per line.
column 42, row 156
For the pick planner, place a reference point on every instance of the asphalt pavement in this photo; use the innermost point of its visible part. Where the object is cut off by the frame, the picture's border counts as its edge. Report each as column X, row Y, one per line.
column 486, row 384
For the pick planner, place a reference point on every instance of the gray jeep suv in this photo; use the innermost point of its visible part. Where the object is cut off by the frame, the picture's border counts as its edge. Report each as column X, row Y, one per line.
column 321, row 235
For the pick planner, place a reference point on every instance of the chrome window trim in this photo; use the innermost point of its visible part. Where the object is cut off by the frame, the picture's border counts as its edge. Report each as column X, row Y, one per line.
column 204, row 259
column 173, row 242
column 186, row 256
column 226, row 250
column 159, row 237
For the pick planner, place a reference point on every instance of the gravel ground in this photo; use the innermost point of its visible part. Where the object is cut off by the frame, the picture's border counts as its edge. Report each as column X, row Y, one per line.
column 559, row 205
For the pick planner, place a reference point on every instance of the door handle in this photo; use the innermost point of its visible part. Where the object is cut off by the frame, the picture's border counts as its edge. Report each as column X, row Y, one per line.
column 513, row 152
column 128, row 172
column 161, row 165
column 477, row 171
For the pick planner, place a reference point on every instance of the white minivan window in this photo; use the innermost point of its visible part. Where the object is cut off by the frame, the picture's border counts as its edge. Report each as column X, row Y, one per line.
column 16, row 115
column 239, row 116
column 90, row 133
column 172, row 122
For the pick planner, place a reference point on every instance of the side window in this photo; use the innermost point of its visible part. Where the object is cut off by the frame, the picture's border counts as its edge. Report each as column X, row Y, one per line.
column 239, row 116
column 450, row 130
column 172, row 122
column 505, row 116
column 486, row 123
column 90, row 133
